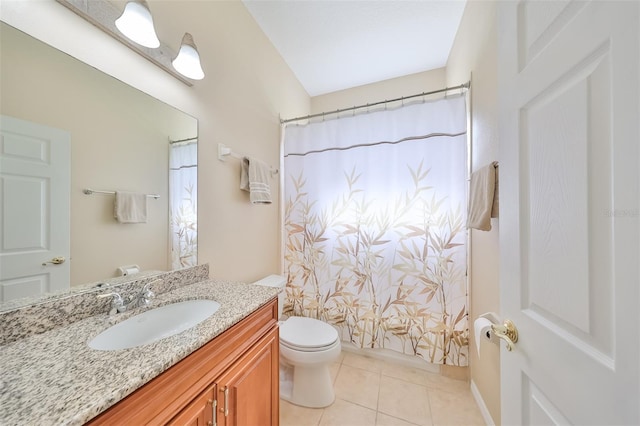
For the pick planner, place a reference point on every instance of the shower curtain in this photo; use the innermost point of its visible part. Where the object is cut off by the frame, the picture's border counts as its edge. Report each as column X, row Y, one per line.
column 183, row 204
column 375, row 207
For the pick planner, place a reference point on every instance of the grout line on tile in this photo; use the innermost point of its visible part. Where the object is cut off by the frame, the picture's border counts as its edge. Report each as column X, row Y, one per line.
column 336, row 376
column 403, row 380
column 324, row 410
column 355, row 403
column 378, row 398
column 428, row 402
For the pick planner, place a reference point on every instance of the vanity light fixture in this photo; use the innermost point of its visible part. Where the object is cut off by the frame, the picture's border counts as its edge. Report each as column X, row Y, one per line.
column 136, row 23
column 104, row 14
column 187, row 62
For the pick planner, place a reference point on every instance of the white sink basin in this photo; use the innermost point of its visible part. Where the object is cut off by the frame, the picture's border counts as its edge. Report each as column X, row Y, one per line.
column 153, row 325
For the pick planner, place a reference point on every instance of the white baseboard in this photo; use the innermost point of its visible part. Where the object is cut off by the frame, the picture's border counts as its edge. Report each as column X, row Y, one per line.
column 483, row 407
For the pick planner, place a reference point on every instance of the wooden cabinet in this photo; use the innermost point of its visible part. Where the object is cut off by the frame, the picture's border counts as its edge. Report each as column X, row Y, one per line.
column 243, row 395
column 232, row 380
column 246, row 392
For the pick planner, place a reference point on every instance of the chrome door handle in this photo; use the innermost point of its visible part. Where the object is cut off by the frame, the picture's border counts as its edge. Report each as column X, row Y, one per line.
column 507, row 332
column 56, row 261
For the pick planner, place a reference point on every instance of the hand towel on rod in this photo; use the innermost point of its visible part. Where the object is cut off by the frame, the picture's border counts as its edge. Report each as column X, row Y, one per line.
column 254, row 177
column 481, row 197
column 130, row 207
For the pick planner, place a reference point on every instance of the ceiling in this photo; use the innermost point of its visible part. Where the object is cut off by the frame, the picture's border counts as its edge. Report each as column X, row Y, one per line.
column 334, row 45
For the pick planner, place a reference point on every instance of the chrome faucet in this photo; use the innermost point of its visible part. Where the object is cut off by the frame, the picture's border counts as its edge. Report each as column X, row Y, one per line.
column 117, row 304
column 141, row 299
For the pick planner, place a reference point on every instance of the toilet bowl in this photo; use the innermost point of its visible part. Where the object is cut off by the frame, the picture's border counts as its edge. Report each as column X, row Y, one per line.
column 307, row 347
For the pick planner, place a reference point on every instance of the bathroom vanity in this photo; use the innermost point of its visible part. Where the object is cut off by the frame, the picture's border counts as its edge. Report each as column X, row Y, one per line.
column 222, row 371
column 231, row 380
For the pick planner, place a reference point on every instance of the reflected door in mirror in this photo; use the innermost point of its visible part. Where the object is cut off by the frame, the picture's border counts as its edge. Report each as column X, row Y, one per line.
column 34, row 209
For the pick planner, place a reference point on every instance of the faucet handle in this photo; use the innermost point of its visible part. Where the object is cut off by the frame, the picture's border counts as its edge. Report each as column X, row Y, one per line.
column 148, row 285
column 117, row 304
column 116, row 296
column 146, row 291
column 145, row 295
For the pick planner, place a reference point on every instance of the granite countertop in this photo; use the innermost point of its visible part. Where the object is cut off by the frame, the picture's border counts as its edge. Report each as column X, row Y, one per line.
column 54, row 378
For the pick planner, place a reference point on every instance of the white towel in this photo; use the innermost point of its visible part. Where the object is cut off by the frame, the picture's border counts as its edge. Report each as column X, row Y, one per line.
column 130, row 207
column 481, row 198
column 254, row 178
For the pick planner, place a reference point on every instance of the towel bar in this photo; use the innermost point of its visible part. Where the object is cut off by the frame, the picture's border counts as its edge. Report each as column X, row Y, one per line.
column 89, row 191
column 224, row 151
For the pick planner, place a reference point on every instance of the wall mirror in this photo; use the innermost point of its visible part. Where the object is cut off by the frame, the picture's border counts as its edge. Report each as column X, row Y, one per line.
column 119, row 141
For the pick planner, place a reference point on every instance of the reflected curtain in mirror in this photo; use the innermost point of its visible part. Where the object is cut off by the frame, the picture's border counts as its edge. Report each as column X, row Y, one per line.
column 183, row 204
column 374, row 228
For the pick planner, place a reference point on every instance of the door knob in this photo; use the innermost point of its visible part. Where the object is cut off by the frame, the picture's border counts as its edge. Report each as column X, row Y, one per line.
column 507, row 332
column 56, row 261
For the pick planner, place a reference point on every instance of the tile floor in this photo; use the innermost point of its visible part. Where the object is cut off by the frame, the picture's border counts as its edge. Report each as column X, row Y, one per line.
column 371, row 392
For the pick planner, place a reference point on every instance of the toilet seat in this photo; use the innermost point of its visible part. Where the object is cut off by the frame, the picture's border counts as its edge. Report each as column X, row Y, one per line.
column 307, row 334
column 310, row 350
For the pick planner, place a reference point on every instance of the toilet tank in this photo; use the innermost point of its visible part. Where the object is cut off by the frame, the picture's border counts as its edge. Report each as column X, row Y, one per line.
column 277, row 281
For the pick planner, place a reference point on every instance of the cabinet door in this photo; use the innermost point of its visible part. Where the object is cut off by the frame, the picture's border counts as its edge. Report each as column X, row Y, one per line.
column 248, row 393
column 200, row 412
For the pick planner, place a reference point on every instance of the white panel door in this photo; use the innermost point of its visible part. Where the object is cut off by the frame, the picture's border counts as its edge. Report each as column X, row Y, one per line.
column 569, row 80
column 34, row 208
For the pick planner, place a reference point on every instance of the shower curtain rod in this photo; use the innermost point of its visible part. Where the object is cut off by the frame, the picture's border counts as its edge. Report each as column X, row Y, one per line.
column 386, row 101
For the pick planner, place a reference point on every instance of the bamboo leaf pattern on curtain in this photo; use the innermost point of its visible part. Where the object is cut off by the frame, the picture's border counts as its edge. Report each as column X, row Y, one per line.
column 380, row 254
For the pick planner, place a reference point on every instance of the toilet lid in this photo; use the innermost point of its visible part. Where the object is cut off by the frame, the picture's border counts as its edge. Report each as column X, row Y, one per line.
column 306, row 332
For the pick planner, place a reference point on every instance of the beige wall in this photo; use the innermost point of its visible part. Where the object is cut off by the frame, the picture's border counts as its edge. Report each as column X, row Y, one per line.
column 380, row 91
column 247, row 86
column 118, row 141
column 474, row 54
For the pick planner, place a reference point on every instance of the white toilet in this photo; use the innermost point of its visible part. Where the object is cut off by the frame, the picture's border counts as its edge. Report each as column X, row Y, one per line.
column 307, row 347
